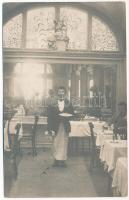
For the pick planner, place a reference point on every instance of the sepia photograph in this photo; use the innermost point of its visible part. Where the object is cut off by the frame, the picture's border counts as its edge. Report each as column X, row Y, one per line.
column 64, row 75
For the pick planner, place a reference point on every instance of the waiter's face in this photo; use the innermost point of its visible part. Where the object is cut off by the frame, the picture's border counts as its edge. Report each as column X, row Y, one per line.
column 61, row 94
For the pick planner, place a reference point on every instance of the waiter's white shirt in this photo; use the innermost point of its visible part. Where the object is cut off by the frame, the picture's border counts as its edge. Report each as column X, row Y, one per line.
column 61, row 105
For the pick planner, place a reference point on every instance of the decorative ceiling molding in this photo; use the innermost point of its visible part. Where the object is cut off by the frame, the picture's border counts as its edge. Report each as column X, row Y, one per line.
column 70, row 57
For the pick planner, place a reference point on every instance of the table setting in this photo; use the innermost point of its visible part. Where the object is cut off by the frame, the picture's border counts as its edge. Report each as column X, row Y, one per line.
column 106, row 133
column 111, row 151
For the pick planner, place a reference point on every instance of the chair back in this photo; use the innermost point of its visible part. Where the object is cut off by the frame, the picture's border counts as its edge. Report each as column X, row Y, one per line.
column 18, row 126
column 93, row 138
column 34, row 128
column 8, row 120
column 16, row 136
column 6, row 133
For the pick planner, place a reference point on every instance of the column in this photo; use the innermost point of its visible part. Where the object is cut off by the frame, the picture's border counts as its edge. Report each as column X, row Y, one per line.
column 83, row 79
column 121, row 84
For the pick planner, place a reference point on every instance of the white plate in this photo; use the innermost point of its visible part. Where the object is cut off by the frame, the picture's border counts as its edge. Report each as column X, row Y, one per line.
column 66, row 114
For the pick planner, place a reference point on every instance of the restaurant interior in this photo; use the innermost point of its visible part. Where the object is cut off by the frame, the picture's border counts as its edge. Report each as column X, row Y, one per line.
column 80, row 46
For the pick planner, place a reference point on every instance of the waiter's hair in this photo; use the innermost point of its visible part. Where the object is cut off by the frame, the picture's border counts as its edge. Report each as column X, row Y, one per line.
column 61, row 88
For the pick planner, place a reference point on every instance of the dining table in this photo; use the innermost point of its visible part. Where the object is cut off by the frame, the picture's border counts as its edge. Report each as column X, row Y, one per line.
column 79, row 129
column 82, row 129
column 29, row 119
column 80, row 135
column 111, row 151
column 120, row 177
column 103, row 136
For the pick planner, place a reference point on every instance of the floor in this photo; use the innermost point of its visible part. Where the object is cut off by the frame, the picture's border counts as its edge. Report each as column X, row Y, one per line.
column 37, row 177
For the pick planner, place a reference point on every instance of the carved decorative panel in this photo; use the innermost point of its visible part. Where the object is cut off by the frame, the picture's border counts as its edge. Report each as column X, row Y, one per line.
column 71, row 26
column 12, row 32
column 102, row 37
column 76, row 22
column 40, row 27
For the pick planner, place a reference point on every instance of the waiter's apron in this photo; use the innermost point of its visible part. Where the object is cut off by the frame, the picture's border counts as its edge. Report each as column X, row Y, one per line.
column 60, row 144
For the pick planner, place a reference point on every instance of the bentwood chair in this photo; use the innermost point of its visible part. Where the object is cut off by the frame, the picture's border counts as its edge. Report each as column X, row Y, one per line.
column 31, row 136
column 95, row 150
column 15, row 148
column 10, row 157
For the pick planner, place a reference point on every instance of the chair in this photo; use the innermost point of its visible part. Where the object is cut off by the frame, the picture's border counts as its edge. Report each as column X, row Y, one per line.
column 30, row 136
column 6, row 123
column 15, row 145
column 15, row 149
column 95, row 151
column 11, row 155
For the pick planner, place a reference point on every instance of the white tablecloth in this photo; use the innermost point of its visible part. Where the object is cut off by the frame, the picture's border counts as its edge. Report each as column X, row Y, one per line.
column 103, row 136
column 120, row 178
column 98, row 127
column 112, row 151
column 81, row 128
column 30, row 120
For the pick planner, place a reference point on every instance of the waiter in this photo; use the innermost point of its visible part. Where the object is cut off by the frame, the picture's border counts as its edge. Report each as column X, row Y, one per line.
column 59, row 114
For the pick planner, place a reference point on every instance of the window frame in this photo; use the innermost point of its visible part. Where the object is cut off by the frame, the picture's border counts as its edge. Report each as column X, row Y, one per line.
column 57, row 7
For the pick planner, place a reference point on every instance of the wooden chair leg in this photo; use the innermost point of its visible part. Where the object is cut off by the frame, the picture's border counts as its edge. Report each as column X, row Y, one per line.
column 70, row 146
column 14, row 164
column 92, row 161
column 73, row 146
column 19, row 148
column 76, row 146
column 109, row 191
column 15, row 169
column 34, row 152
column 89, row 145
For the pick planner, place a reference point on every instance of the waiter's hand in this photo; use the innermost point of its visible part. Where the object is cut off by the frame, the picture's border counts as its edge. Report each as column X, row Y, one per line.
column 53, row 133
column 50, row 133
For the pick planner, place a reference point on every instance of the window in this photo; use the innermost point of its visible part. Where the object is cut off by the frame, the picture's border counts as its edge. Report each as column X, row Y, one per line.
column 12, row 32
column 40, row 30
column 102, row 37
column 29, row 85
column 76, row 22
column 40, row 26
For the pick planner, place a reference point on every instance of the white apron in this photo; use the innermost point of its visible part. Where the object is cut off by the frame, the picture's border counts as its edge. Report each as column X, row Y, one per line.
column 60, row 144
